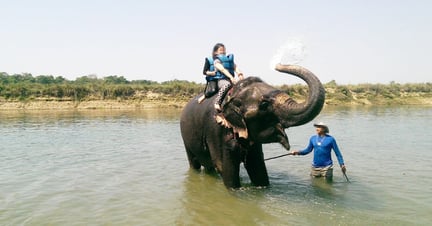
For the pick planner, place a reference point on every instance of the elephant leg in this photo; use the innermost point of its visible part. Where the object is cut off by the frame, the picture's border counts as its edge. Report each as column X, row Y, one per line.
column 255, row 166
column 193, row 162
column 231, row 165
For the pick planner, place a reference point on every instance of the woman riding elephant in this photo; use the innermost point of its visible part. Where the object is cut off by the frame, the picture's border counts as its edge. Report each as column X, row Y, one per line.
column 219, row 70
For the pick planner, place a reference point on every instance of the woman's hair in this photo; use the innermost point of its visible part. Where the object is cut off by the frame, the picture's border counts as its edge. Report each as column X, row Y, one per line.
column 216, row 47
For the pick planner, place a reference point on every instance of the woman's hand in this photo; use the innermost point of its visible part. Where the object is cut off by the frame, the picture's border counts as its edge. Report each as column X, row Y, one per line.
column 240, row 76
column 211, row 73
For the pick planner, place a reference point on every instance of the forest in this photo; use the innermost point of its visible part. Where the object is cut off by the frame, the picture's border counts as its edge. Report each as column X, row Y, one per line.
column 26, row 87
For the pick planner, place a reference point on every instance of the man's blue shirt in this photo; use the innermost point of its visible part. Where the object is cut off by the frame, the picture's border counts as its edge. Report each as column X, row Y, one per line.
column 322, row 147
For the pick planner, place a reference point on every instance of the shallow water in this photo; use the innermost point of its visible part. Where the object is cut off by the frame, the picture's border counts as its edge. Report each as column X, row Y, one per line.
column 130, row 168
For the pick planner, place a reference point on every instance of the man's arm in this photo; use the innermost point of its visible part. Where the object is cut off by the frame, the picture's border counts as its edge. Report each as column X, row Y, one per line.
column 338, row 155
column 305, row 151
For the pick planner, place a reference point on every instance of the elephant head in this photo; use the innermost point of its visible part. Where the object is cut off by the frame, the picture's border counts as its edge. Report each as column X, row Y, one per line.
column 260, row 113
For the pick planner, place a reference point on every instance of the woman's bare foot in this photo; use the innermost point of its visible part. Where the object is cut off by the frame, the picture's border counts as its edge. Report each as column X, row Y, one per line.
column 217, row 107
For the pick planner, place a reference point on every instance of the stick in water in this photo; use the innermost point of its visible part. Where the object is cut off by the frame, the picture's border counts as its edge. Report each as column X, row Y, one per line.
column 346, row 177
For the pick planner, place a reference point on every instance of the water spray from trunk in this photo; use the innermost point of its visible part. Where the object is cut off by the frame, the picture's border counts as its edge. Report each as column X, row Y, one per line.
column 293, row 51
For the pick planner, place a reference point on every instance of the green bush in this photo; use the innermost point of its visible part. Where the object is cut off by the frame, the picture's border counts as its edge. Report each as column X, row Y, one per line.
column 25, row 86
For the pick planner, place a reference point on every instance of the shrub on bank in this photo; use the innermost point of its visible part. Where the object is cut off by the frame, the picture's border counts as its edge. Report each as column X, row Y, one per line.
column 26, row 87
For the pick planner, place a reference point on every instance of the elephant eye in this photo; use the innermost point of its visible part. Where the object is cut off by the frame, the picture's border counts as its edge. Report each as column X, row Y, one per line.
column 264, row 105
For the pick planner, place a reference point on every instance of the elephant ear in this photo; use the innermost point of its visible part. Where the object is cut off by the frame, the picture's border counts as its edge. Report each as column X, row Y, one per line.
column 232, row 117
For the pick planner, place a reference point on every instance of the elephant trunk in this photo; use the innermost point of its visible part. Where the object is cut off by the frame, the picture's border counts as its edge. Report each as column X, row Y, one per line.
column 288, row 110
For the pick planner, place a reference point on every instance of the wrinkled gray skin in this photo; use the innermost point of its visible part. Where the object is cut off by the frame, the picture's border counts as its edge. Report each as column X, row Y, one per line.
column 254, row 113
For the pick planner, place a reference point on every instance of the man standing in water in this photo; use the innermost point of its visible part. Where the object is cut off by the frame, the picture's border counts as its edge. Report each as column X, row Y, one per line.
column 322, row 144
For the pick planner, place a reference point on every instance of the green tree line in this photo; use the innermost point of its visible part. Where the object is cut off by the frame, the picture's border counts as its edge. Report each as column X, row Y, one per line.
column 27, row 87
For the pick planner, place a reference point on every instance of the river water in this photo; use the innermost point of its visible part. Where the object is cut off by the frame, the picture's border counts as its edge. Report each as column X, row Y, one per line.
column 130, row 168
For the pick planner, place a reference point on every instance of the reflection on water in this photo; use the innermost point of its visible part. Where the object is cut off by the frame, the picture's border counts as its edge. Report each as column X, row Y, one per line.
column 46, row 116
column 130, row 168
column 205, row 200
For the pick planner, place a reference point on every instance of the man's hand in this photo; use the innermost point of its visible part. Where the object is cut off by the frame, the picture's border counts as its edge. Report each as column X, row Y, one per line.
column 343, row 168
column 294, row 152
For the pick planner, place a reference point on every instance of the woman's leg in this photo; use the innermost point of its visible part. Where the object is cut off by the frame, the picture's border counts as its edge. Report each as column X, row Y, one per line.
column 224, row 85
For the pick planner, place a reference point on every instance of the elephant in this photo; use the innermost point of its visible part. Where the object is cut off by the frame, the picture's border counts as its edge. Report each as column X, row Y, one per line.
column 253, row 113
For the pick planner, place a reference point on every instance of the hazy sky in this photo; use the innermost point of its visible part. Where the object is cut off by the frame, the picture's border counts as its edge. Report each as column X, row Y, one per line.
column 368, row 41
